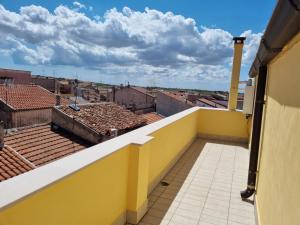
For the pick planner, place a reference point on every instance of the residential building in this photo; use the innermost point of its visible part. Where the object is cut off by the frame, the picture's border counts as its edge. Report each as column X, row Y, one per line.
column 97, row 122
column 137, row 99
column 188, row 168
column 168, row 103
column 25, row 105
column 48, row 83
column 15, row 76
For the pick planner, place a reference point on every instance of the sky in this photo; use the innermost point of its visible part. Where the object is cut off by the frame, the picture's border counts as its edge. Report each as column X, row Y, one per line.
column 174, row 43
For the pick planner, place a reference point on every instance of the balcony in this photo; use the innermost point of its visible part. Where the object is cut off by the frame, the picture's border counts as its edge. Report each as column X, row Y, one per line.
column 185, row 169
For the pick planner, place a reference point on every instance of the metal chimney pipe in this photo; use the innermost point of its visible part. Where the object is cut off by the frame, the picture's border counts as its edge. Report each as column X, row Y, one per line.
column 236, row 68
column 1, row 135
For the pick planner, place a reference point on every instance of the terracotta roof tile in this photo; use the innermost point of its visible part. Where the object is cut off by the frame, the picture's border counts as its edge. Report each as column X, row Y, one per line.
column 178, row 96
column 103, row 117
column 211, row 103
column 23, row 97
column 142, row 90
column 41, row 144
column 12, row 164
column 152, row 117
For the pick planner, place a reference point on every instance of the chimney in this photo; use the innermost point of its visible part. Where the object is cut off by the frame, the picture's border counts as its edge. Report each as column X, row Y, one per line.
column 1, row 135
column 57, row 98
column 236, row 68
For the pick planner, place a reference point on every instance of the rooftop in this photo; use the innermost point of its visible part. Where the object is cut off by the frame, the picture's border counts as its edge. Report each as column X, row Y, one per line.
column 103, row 117
column 30, row 147
column 25, row 97
column 178, row 96
column 152, row 117
column 12, row 164
column 142, row 90
column 212, row 103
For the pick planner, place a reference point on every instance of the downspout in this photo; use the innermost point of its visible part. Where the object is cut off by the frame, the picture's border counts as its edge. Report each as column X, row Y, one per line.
column 256, row 132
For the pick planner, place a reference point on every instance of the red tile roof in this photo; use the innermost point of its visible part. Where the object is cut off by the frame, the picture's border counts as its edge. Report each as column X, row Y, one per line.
column 211, row 103
column 152, row 117
column 12, row 164
column 41, row 144
column 142, row 90
column 24, row 97
column 178, row 96
column 103, row 117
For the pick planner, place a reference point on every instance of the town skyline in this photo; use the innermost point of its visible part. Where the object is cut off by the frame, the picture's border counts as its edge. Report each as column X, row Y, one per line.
column 146, row 44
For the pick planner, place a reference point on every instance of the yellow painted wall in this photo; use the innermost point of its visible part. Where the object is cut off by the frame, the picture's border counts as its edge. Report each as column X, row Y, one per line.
column 95, row 195
column 105, row 190
column 168, row 143
column 278, row 184
column 223, row 123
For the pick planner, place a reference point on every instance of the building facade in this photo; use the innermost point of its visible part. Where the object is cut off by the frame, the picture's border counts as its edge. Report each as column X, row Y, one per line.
column 136, row 99
column 168, row 104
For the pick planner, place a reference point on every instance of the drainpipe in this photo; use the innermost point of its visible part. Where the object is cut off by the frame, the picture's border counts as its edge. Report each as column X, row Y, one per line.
column 1, row 135
column 236, row 68
column 256, row 131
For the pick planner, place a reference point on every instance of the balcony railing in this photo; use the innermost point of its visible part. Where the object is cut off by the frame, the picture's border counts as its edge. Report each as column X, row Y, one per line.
column 109, row 183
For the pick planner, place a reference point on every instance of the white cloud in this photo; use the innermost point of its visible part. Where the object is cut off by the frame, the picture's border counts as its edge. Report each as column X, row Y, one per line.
column 127, row 41
column 79, row 5
column 251, row 45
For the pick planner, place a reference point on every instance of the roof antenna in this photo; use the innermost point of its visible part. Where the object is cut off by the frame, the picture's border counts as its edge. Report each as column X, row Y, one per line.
column 74, row 106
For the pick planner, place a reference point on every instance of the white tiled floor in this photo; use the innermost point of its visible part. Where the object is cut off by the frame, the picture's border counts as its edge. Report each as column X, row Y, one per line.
column 204, row 188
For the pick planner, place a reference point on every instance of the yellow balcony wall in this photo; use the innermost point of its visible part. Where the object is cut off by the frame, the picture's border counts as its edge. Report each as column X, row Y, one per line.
column 168, row 145
column 96, row 194
column 109, row 183
column 278, row 183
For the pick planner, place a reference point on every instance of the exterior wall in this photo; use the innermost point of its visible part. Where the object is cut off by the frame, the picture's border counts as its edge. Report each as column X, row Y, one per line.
column 168, row 145
column 278, row 184
column 45, row 82
column 167, row 106
column 18, row 76
column 68, row 123
column 95, row 195
column 30, row 117
column 5, row 114
column 131, row 97
column 223, row 124
column 14, row 119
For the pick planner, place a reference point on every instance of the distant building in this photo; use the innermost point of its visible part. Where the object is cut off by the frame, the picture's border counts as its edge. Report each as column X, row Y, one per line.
column 25, row 105
column 97, row 122
column 65, row 87
column 192, row 97
column 211, row 103
column 31, row 147
column 137, row 99
column 48, row 83
column 168, row 103
column 15, row 76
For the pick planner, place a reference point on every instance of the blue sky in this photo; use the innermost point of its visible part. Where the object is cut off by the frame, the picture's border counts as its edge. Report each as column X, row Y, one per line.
column 163, row 43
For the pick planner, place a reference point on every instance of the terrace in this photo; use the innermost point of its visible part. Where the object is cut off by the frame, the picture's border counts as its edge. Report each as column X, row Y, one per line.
column 200, row 155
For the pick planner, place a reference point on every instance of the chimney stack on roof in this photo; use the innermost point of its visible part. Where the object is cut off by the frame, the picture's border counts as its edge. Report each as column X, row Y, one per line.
column 236, row 69
column 58, row 98
column 1, row 135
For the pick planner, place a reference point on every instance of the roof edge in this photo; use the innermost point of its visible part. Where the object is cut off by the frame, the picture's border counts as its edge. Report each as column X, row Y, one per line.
column 282, row 27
